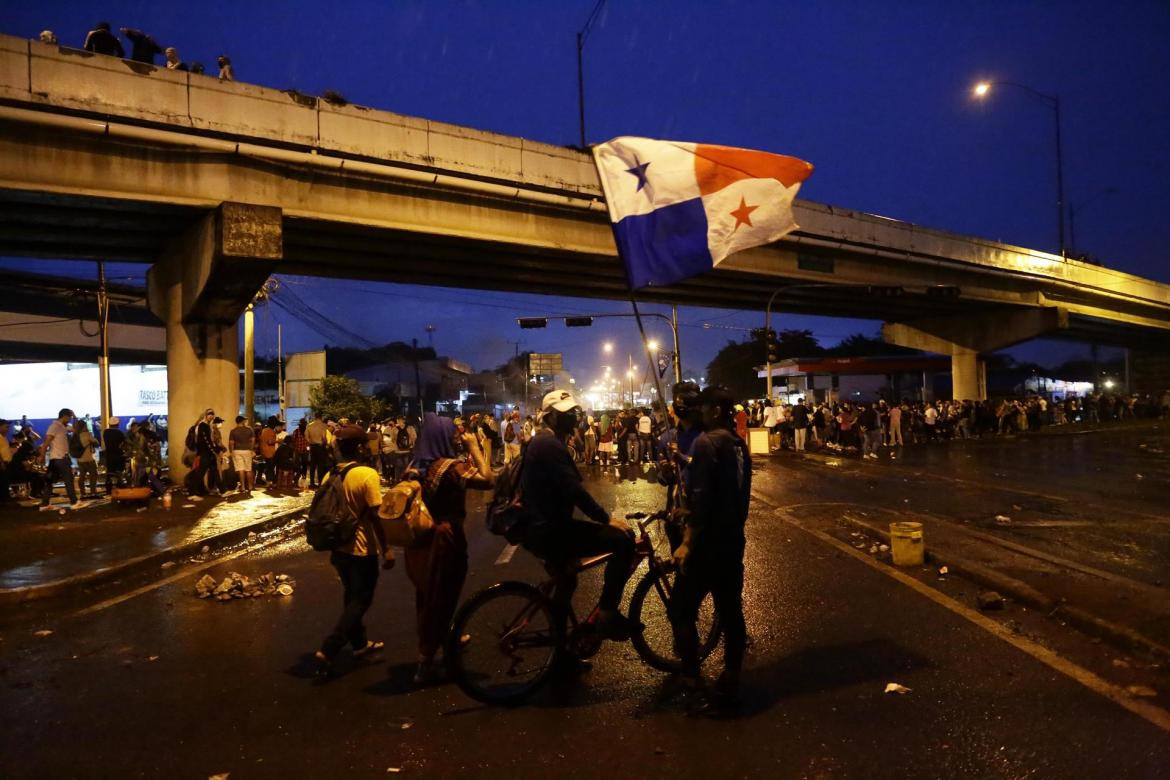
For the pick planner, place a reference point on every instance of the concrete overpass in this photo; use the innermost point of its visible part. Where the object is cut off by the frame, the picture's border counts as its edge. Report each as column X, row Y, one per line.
column 218, row 185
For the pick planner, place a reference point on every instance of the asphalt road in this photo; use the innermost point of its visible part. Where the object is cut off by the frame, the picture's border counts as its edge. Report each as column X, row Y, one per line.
column 164, row 684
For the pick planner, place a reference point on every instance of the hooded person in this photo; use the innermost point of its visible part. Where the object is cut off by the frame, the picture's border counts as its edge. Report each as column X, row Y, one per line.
column 437, row 565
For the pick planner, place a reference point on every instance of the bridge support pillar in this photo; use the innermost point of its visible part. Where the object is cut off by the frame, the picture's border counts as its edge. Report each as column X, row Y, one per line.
column 966, row 339
column 198, row 289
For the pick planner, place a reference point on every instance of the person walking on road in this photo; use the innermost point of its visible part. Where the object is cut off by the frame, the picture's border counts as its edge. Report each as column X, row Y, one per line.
column 869, row 423
column 513, row 436
column 710, row 558
column 56, row 445
column 356, row 562
column 86, row 461
column 438, row 567
column 896, row 426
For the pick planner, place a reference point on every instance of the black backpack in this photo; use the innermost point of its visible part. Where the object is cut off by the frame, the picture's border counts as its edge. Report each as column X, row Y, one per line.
column 76, row 448
column 402, row 441
column 190, row 441
column 507, row 515
column 331, row 523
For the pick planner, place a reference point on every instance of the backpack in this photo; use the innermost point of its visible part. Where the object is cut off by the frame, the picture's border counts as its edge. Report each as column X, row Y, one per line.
column 190, row 442
column 403, row 440
column 404, row 516
column 76, row 448
column 331, row 523
column 509, row 434
column 507, row 515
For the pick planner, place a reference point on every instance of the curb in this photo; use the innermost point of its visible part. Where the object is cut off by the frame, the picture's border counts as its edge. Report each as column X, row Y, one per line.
column 1086, row 622
column 149, row 561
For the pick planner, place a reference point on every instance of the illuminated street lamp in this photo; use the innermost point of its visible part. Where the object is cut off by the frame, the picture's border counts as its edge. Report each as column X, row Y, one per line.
column 607, row 347
column 983, row 89
column 653, row 345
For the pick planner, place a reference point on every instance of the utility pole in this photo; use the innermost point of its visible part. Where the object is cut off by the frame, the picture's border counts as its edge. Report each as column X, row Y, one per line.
column 677, row 353
column 417, row 381
column 280, row 372
column 250, row 364
column 582, row 35
column 104, row 345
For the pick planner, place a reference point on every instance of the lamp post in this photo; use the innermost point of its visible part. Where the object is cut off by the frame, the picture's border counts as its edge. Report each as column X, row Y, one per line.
column 983, row 88
column 582, row 35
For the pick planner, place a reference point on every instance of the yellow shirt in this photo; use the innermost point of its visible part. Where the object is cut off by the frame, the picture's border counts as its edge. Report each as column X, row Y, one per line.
column 363, row 489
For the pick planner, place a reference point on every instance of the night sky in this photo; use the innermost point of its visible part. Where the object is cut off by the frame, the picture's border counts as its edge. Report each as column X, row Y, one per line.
column 876, row 95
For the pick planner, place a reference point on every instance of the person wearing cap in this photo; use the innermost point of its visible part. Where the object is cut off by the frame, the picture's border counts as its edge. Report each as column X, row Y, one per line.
column 356, row 563
column 113, row 440
column 552, row 488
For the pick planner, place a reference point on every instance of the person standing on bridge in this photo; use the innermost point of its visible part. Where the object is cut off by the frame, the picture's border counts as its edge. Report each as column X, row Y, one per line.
column 226, row 72
column 101, row 41
column 173, row 61
column 143, row 48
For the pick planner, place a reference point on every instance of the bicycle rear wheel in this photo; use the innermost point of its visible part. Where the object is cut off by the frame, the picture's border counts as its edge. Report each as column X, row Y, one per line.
column 656, row 643
column 503, row 643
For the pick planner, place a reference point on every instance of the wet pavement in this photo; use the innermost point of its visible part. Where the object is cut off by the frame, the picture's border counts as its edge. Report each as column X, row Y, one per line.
column 38, row 547
column 167, row 684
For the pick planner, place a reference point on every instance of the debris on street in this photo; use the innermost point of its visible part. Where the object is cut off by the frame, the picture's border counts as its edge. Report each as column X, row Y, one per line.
column 896, row 688
column 239, row 586
column 42, row 632
column 1144, row 691
column 1003, row 520
column 989, row 599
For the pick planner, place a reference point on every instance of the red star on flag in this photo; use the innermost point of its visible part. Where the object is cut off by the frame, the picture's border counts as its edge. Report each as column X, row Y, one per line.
column 743, row 214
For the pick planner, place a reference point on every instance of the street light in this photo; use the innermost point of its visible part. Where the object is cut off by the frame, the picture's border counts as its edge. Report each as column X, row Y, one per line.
column 607, row 347
column 653, row 345
column 983, row 89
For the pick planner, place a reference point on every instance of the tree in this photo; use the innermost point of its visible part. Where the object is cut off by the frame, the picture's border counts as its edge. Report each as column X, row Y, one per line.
column 860, row 345
column 338, row 396
column 736, row 365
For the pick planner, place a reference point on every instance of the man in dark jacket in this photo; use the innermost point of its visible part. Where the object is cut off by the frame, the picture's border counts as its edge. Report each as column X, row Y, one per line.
column 552, row 488
column 143, row 48
column 800, row 424
column 710, row 558
column 208, row 459
column 101, row 41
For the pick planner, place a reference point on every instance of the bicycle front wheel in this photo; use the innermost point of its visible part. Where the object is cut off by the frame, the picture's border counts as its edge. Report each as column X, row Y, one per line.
column 503, row 643
column 656, row 643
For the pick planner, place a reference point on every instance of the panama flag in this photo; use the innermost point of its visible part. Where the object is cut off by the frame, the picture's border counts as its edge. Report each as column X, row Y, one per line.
column 679, row 208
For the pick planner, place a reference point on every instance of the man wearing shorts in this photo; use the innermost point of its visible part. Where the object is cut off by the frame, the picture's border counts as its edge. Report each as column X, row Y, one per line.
column 241, row 445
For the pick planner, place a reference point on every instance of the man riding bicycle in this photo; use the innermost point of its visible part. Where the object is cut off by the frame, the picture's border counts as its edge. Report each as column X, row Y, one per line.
column 552, row 487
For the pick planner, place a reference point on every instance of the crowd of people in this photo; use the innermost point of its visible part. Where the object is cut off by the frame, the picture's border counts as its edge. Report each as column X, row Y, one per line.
column 143, row 48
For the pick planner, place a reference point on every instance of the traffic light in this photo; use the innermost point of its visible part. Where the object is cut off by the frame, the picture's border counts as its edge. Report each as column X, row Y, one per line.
column 578, row 322
column 772, row 346
column 885, row 292
column 529, row 323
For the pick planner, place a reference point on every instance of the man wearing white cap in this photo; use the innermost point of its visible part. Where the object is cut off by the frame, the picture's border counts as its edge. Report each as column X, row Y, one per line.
column 552, row 488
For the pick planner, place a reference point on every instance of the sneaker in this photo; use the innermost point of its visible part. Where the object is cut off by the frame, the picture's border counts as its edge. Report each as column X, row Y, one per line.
column 371, row 646
column 427, row 672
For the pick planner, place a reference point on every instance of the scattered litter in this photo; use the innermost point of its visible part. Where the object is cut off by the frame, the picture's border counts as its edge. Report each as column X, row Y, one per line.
column 873, row 550
column 1144, row 691
column 206, row 551
column 1017, row 508
column 905, row 501
column 252, row 537
column 168, row 564
column 989, row 599
column 393, row 769
column 220, row 776
column 239, row 586
column 140, row 509
column 659, row 751
column 42, row 632
column 195, row 498
column 896, row 688
column 407, row 724
column 62, row 511
column 883, row 548
column 152, row 658
column 1003, row 520
column 1119, row 663
column 943, row 571
column 1139, row 476
column 188, row 506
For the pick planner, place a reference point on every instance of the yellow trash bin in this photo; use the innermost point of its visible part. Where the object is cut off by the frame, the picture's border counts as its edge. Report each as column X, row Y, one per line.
column 906, row 544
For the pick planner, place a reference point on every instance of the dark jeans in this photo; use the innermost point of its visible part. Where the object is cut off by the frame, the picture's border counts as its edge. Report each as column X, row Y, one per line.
column 114, row 469
column 359, row 577
column 318, row 463
column 208, row 470
column 559, row 543
column 720, row 573
column 59, row 469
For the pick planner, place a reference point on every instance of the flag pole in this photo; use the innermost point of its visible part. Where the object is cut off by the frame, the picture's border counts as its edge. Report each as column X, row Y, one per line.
column 650, row 357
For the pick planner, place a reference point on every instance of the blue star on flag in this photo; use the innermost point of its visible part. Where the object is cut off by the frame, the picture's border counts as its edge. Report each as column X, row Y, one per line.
column 639, row 170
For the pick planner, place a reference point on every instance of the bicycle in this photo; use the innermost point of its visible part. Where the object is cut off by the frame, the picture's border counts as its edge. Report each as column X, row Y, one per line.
column 506, row 641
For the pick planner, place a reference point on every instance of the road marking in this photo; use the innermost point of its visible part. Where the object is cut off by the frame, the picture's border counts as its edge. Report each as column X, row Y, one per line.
column 114, row 601
column 1151, row 713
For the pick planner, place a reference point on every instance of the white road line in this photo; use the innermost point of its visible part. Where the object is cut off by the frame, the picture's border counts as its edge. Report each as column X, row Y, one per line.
column 1152, row 713
column 110, row 602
